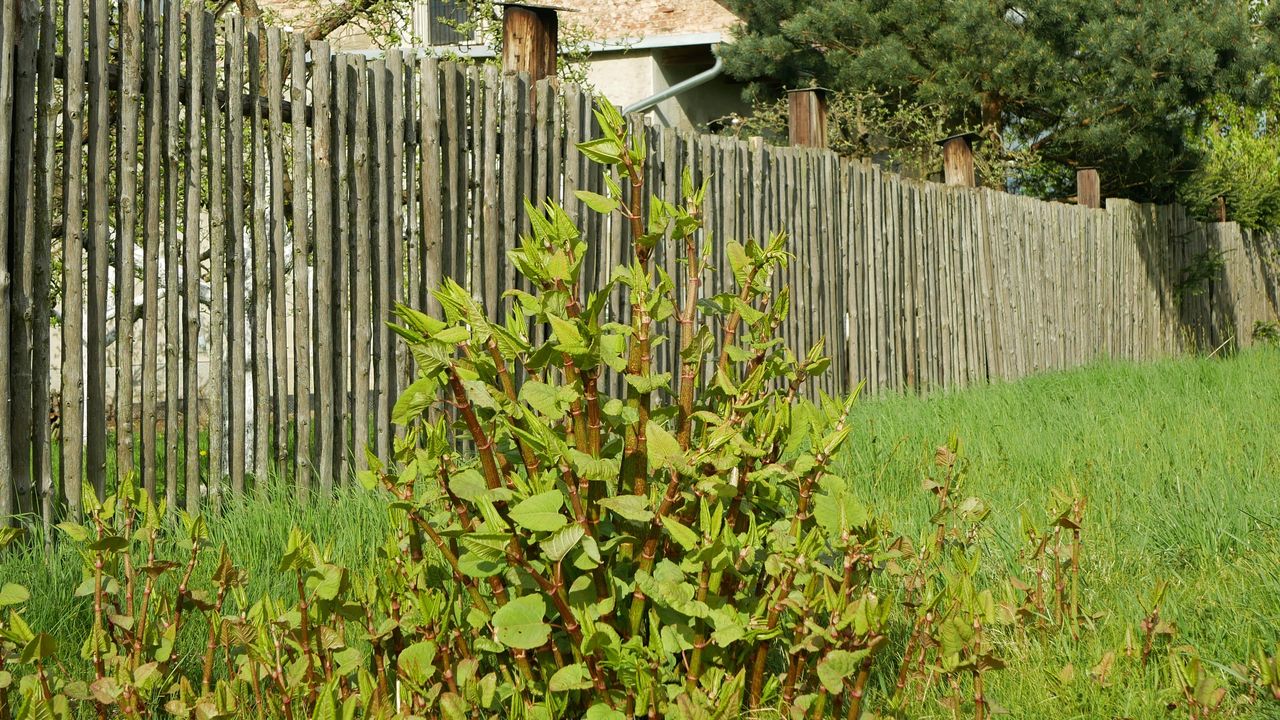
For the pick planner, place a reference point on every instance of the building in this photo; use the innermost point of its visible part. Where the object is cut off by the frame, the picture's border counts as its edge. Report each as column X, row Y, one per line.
column 634, row 50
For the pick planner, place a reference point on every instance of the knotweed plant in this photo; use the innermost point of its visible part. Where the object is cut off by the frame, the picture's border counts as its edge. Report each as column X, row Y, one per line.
column 678, row 548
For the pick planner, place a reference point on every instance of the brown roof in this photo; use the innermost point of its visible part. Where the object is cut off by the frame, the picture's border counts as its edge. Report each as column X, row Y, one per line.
column 606, row 20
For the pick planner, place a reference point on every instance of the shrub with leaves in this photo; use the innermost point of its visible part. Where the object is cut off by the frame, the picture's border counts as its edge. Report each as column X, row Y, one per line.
column 679, row 549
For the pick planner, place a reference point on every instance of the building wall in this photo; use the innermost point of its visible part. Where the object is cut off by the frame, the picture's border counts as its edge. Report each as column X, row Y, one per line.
column 622, row 19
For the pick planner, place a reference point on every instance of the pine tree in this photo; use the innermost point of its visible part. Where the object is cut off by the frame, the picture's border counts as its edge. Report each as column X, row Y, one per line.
column 1120, row 84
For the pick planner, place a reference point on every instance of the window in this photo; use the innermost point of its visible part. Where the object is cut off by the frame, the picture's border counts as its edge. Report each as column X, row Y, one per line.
column 436, row 21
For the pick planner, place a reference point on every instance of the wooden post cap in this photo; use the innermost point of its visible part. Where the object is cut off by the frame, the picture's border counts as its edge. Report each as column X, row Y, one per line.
column 957, row 159
column 807, row 116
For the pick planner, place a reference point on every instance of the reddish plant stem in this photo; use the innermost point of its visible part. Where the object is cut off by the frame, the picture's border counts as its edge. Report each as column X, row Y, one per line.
column 762, row 649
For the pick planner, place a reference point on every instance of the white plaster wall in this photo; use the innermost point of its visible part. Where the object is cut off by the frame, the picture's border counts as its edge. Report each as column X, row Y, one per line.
column 623, row 78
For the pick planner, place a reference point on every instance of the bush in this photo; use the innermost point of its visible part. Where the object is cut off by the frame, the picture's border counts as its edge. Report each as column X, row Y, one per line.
column 1242, row 166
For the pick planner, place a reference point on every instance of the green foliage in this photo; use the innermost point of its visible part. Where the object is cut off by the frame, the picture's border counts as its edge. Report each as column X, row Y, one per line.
column 1086, row 82
column 1241, row 152
column 657, row 551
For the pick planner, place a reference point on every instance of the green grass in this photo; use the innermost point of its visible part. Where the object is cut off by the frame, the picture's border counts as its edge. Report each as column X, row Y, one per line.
column 1180, row 462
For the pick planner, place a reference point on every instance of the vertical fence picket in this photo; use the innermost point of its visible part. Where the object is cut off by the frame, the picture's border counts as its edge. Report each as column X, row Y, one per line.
column 126, row 225
column 324, row 285
column 41, row 349
column 217, row 211
column 16, row 482
column 276, row 220
column 70, row 445
column 191, row 241
column 380, row 162
column 99, row 228
column 301, row 315
column 172, row 250
column 9, row 443
column 259, row 243
column 233, row 53
column 361, row 316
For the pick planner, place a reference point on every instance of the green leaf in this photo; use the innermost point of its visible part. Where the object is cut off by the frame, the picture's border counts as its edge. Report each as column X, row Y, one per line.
column 601, row 150
column 595, row 201
column 468, row 485
column 546, row 399
column 838, row 513
column 564, row 540
column 738, row 260
column 631, row 507
column 417, row 662
column 649, row 383
column 568, row 338
column 414, row 401
column 600, row 711
column 12, row 594
column 954, row 635
column 838, row 665
column 110, row 543
column 40, row 647
column 518, row 624
column 681, row 533
column 664, row 449
column 540, row 513
column 570, row 677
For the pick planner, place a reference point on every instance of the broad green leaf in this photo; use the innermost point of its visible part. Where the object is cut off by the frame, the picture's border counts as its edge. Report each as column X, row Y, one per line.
column 652, row 382
column 838, row 512
column 601, row 150
column 595, row 201
column 568, row 338
column 564, row 540
column 681, row 533
column 12, row 594
column 468, row 485
column 570, row 677
column 600, row 711
column 40, row 647
column 954, row 635
column 519, row 624
column 540, row 513
column 414, row 401
column 453, row 707
column 547, row 400
column 664, row 449
column 631, row 507
column 417, row 662
column 838, row 665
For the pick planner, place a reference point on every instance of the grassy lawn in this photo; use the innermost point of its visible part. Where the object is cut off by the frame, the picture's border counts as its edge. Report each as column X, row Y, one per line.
column 1179, row 460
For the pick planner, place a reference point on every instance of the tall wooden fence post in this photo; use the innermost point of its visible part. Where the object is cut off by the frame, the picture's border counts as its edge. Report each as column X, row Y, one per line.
column 807, row 117
column 957, row 159
column 530, row 37
column 1088, row 188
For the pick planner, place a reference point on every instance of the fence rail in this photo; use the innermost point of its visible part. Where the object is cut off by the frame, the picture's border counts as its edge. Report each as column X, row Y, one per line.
column 200, row 283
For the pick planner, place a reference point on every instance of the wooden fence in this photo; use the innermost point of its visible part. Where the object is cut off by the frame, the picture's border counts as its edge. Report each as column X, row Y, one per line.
column 206, row 223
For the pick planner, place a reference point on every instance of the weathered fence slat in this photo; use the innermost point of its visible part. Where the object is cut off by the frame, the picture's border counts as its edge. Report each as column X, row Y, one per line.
column 99, row 228
column 191, row 235
column 258, row 258
column 276, row 219
column 237, row 292
column 217, row 391
column 301, row 314
column 126, row 226
column 325, row 281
